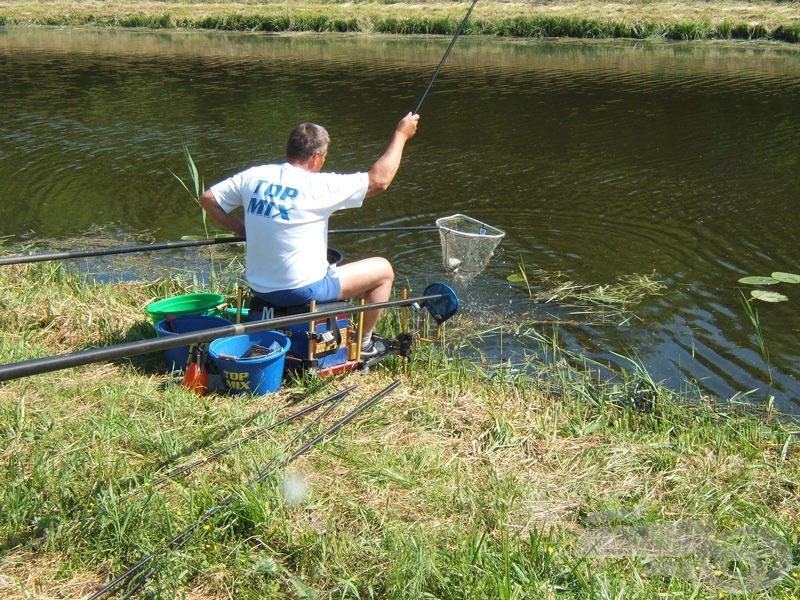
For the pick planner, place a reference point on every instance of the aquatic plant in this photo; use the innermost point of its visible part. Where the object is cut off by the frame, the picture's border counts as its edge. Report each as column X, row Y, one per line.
column 774, row 278
column 600, row 302
column 521, row 277
column 689, row 31
column 195, row 187
column 765, row 296
column 786, row 33
column 752, row 315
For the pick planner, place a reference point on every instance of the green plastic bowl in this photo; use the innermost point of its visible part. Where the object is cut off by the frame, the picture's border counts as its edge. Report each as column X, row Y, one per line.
column 188, row 304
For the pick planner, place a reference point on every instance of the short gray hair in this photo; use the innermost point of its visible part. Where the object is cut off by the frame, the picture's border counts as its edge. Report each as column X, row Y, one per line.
column 305, row 140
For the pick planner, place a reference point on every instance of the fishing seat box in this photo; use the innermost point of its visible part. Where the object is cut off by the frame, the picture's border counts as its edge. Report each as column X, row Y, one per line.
column 324, row 347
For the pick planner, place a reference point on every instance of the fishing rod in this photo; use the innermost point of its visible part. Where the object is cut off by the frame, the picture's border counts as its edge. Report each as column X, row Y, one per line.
column 335, row 399
column 108, row 251
column 273, row 465
column 188, row 243
column 49, row 364
column 329, row 431
column 444, row 58
column 184, row 536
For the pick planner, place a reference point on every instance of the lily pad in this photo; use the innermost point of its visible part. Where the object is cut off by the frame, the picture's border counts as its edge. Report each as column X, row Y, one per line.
column 768, row 296
column 758, row 280
column 516, row 278
column 786, row 277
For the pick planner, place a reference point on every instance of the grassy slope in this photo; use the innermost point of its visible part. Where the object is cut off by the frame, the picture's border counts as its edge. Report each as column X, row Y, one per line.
column 466, row 482
column 767, row 14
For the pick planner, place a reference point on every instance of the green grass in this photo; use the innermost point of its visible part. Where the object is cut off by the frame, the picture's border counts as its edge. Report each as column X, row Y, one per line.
column 584, row 20
column 467, row 481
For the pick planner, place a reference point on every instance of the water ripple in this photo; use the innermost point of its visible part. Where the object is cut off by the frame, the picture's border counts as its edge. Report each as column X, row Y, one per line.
column 598, row 160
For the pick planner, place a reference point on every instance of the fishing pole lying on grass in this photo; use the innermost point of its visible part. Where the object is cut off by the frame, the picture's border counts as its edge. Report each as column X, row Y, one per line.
column 335, row 399
column 187, row 243
column 125, row 350
column 184, row 536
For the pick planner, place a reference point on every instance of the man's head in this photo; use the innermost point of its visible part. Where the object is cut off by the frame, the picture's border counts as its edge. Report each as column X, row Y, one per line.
column 306, row 141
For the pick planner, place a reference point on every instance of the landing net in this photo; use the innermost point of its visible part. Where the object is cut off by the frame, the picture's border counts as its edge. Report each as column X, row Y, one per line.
column 467, row 244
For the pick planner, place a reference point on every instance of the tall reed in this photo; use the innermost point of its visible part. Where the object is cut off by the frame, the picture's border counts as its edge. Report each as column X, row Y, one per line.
column 752, row 315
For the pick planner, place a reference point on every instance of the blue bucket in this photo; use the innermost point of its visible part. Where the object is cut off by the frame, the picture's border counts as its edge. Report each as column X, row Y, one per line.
column 177, row 358
column 259, row 375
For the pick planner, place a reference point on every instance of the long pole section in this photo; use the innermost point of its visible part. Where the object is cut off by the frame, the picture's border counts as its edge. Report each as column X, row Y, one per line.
column 125, row 350
column 179, row 540
column 67, row 254
column 334, row 398
column 109, row 251
column 444, row 58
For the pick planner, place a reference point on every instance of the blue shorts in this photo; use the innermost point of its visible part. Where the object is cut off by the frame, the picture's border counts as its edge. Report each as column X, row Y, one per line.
column 326, row 289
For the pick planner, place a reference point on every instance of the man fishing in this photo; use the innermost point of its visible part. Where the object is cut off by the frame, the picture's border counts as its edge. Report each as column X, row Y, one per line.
column 286, row 211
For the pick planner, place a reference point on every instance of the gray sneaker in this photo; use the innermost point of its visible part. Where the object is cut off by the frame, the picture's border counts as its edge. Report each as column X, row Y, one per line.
column 377, row 346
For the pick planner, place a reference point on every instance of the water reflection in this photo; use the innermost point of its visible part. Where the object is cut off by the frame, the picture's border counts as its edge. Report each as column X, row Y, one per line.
column 597, row 159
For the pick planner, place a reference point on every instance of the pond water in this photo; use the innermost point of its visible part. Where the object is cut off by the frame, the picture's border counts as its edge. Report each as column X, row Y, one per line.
column 600, row 161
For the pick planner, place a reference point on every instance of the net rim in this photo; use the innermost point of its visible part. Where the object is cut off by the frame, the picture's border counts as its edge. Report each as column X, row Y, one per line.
column 491, row 232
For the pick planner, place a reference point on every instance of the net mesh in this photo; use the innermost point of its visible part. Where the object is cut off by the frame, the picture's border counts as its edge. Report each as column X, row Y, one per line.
column 467, row 244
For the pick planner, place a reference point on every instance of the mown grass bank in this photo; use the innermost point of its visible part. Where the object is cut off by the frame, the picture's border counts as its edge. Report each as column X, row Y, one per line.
column 467, row 481
column 638, row 19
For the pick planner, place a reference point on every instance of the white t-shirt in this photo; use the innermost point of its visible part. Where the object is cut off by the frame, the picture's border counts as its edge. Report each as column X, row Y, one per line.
column 286, row 212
